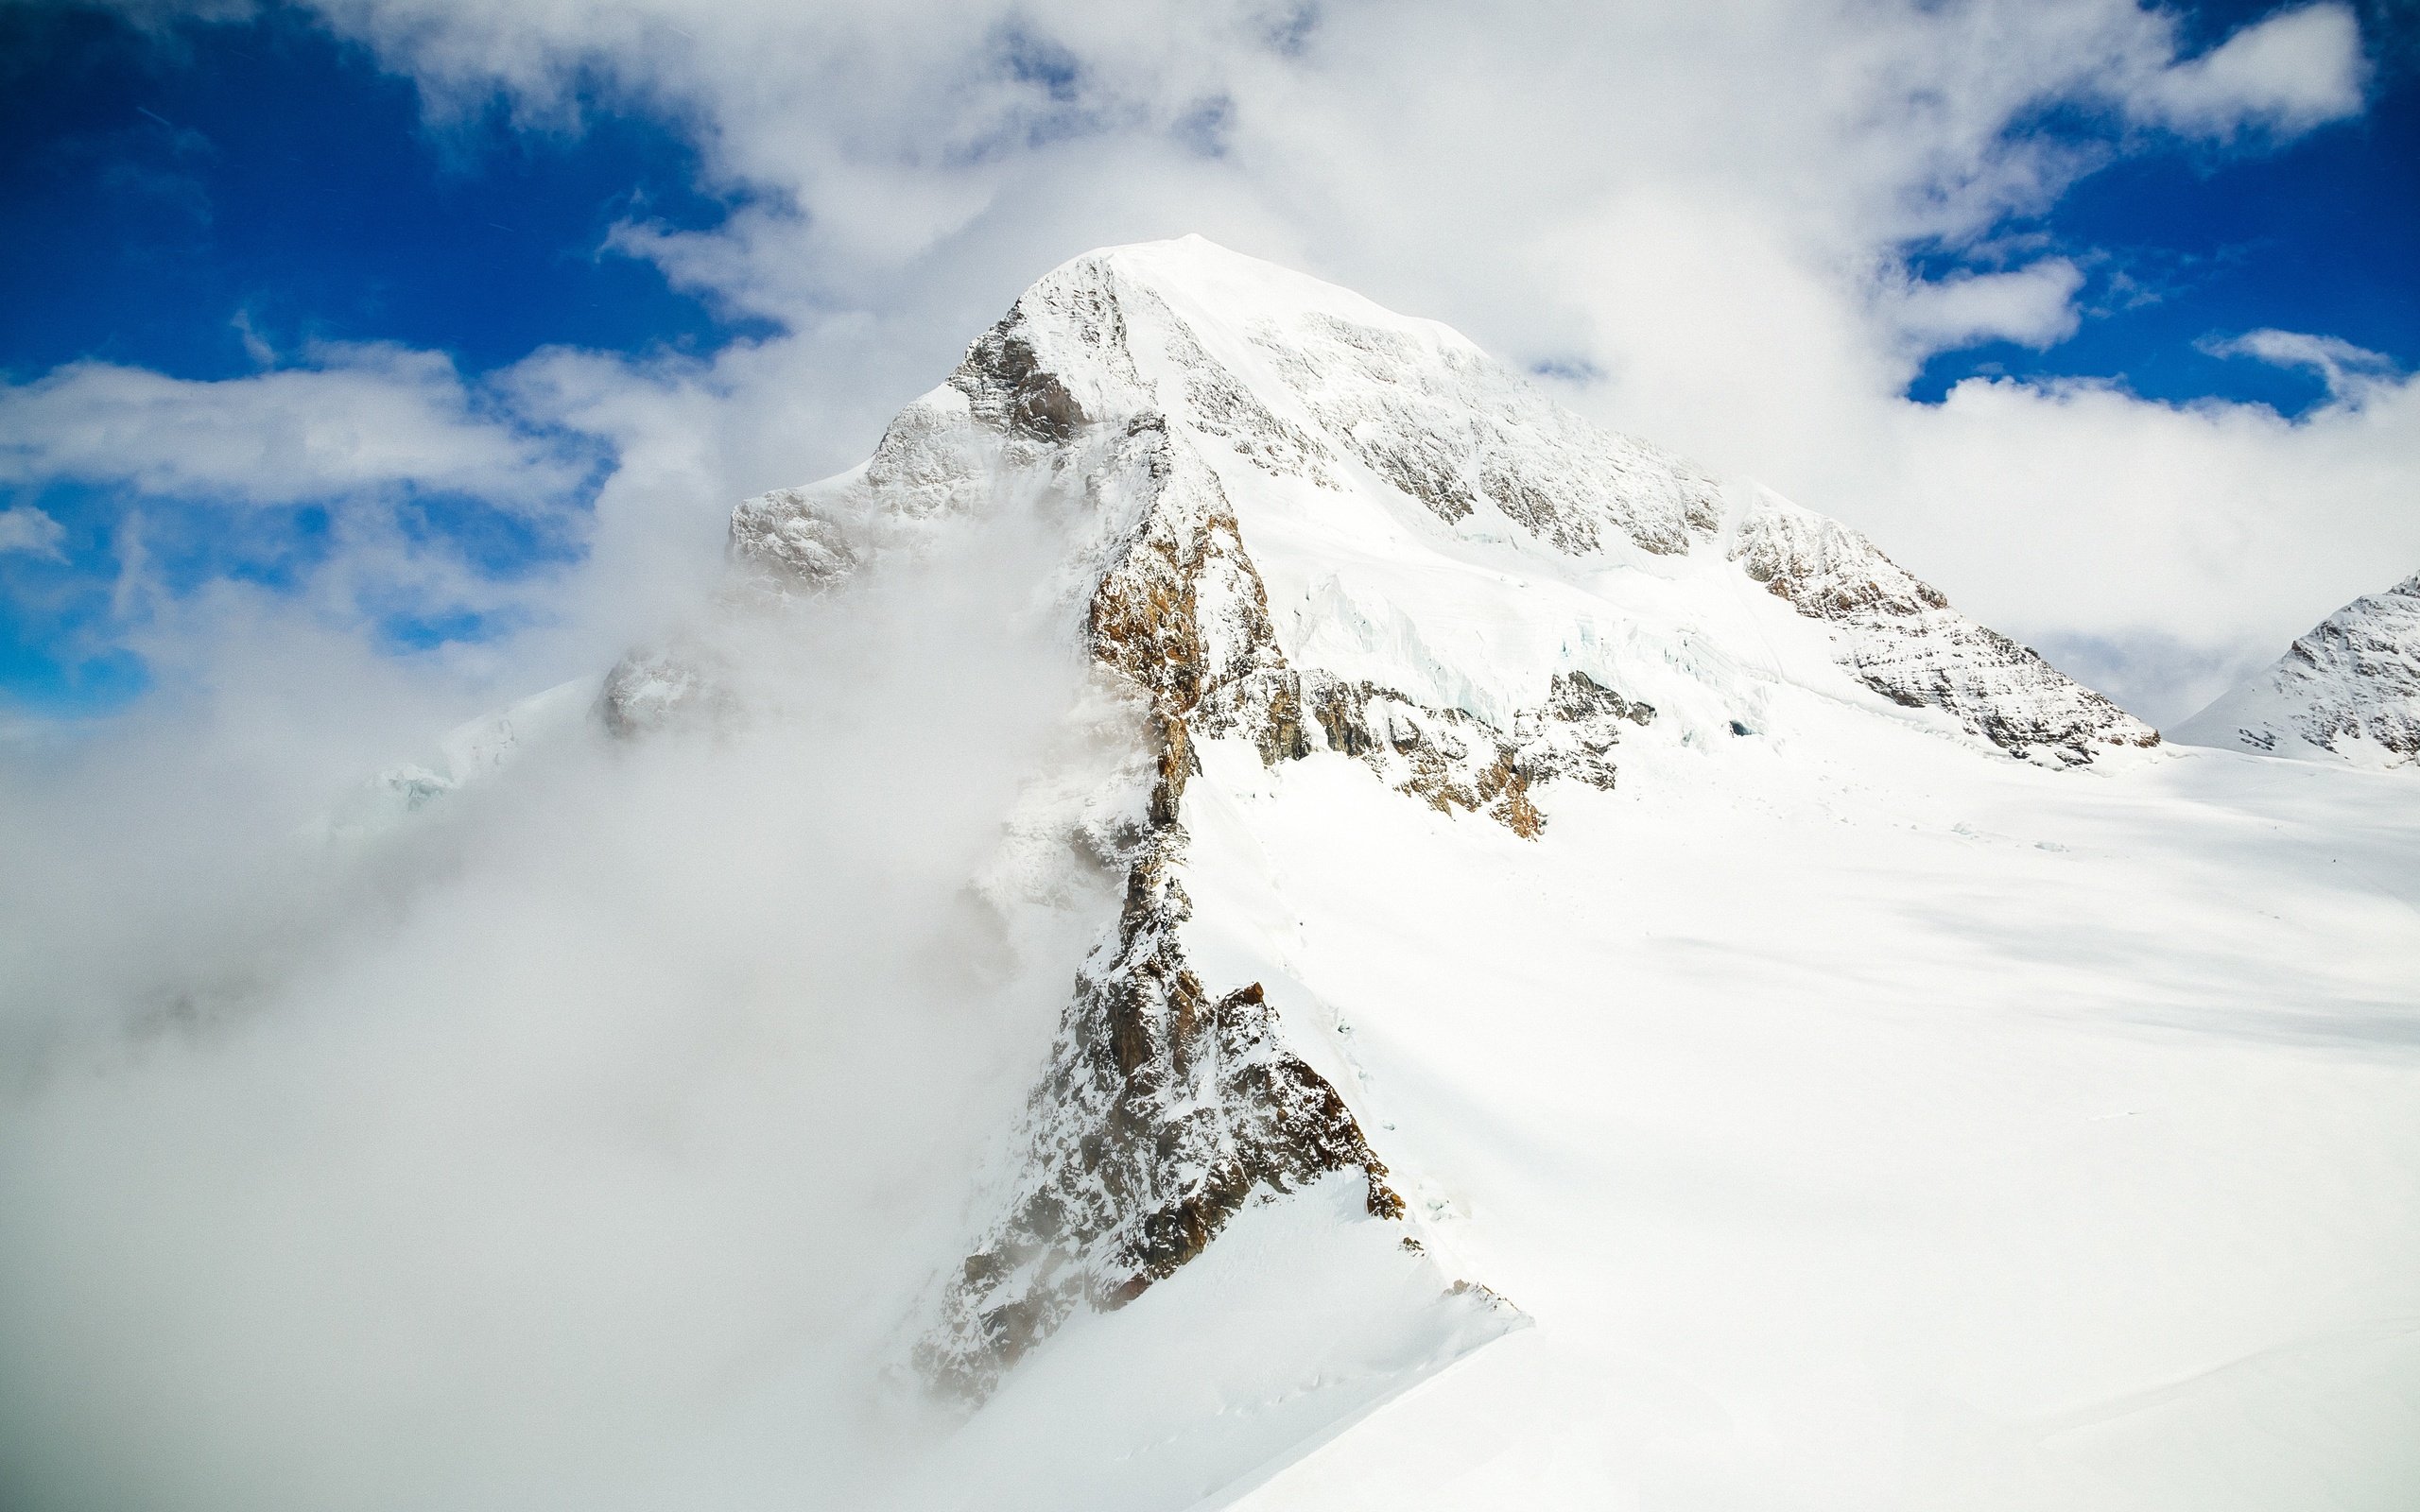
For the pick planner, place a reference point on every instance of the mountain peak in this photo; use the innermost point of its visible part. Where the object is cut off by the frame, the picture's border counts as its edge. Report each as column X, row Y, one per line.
column 1220, row 283
column 2348, row 689
column 1299, row 529
column 1388, row 476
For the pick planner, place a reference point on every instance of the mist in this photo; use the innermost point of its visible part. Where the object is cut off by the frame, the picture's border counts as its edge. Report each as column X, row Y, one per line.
column 586, row 1137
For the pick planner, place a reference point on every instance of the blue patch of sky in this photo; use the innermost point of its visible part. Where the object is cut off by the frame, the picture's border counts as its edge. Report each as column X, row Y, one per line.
column 37, row 679
column 160, row 190
column 1033, row 59
column 2184, row 245
column 198, row 200
column 1055, row 109
column 1206, row 128
column 1579, row 372
column 51, row 660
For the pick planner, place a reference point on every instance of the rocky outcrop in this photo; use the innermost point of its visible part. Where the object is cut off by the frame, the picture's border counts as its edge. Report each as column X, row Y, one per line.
column 1455, row 761
column 1901, row 637
column 1163, row 1110
column 1166, row 1107
column 1007, row 387
column 2349, row 690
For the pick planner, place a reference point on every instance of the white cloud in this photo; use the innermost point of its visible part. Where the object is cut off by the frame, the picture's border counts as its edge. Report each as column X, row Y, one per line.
column 2288, row 73
column 30, row 530
column 2349, row 371
column 2218, row 531
column 581, row 1142
column 2033, row 306
column 366, row 416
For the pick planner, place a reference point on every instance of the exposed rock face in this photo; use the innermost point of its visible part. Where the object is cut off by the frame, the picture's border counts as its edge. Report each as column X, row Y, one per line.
column 2349, row 690
column 1163, row 1110
column 1009, row 390
column 1901, row 637
column 1452, row 760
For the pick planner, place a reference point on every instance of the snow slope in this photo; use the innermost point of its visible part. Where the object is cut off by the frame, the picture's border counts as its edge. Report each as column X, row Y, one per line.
column 1537, row 883
column 1864, row 1127
column 2348, row 691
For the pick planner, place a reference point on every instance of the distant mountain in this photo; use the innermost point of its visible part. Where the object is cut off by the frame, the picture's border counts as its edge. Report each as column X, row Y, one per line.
column 2348, row 691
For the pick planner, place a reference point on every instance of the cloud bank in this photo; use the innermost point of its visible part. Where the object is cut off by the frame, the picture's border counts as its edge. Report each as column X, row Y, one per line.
column 584, row 1136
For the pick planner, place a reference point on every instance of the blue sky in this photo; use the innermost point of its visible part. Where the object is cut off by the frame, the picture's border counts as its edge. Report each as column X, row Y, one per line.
column 2185, row 243
column 209, row 203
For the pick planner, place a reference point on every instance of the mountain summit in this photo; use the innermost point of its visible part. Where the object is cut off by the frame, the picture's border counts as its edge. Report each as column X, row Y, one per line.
column 1338, row 496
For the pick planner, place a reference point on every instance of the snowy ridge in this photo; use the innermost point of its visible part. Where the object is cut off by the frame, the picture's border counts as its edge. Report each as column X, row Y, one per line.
column 1904, row 640
column 1357, row 446
column 2347, row 691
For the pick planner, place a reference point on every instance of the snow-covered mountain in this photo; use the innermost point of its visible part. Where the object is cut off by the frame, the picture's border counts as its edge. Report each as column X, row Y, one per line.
column 2347, row 691
column 1372, row 499
column 1312, row 530
column 1535, row 882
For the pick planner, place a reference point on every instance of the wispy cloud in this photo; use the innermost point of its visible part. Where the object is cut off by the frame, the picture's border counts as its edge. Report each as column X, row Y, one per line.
column 2351, row 372
column 2287, row 73
column 2033, row 305
column 360, row 417
column 26, row 529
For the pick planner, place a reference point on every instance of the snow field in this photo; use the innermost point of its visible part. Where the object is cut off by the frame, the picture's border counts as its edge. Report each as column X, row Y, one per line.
column 1917, row 1133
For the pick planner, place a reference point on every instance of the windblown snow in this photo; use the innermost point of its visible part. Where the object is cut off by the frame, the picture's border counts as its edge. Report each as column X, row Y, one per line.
column 1608, row 990
column 2348, row 691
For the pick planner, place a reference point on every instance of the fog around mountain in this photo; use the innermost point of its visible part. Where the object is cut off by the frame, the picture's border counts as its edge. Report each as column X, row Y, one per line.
column 1250, row 913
